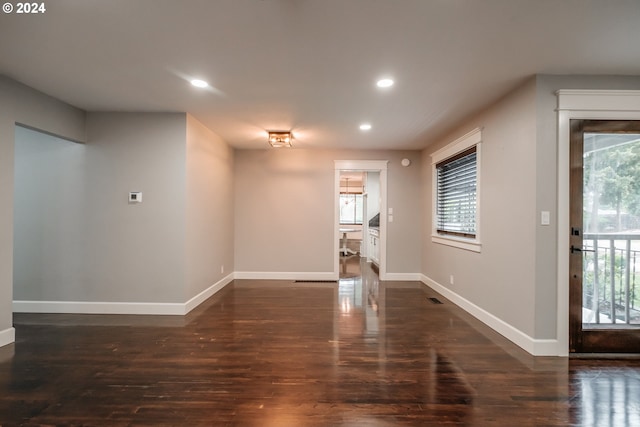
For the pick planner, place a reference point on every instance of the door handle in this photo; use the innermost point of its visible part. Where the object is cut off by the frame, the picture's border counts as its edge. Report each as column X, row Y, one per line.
column 575, row 249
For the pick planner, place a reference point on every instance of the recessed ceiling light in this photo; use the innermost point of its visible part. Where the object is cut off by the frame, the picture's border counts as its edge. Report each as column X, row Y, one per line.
column 199, row 83
column 384, row 83
column 365, row 126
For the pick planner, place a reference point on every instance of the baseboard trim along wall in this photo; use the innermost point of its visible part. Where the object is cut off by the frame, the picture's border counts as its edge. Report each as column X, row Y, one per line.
column 404, row 277
column 87, row 307
column 284, row 275
column 299, row 275
column 207, row 293
column 151, row 308
column 7, row 336
column 536, row 347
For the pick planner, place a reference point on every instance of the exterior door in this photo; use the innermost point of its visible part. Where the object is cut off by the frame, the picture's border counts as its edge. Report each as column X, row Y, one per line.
column 604, row 267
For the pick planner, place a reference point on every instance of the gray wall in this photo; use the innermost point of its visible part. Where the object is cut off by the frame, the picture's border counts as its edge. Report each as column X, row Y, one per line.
column 78, row 239
column 284, row 202
column 514, row 278
column 546, row 183
column 209, row 214
column 49, row 219
column 135, row 252
column 21, row 104
column 501, row 278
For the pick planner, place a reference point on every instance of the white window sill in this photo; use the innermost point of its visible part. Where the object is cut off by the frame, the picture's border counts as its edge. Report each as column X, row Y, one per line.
column 458, row 242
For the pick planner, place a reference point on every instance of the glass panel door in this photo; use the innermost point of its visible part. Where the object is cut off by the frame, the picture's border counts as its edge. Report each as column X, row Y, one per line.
column 605, row 236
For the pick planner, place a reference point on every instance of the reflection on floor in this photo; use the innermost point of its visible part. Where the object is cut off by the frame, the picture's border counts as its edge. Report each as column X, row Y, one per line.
column 352, row 266
column 359, row 352
column 358, row 296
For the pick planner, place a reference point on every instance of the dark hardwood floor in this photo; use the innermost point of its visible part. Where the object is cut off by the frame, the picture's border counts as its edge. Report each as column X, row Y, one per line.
column 275, row 353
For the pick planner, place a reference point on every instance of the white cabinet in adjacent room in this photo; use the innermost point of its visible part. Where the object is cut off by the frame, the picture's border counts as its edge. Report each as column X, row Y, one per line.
column 374, row 245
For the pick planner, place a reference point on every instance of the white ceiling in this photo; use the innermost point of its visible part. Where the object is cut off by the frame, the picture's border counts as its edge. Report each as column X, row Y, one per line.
column 311, row 65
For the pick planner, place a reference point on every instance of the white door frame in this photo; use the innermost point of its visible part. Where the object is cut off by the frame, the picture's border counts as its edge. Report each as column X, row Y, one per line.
column 361, row 166
column 580, row 104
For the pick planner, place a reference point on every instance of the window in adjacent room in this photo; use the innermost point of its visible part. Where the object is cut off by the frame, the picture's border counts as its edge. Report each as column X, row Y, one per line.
column 351, row 209
column 351, row 204
column 456, row 190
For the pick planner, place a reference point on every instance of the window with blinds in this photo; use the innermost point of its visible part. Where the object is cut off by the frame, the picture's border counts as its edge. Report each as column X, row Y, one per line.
column 457, row 195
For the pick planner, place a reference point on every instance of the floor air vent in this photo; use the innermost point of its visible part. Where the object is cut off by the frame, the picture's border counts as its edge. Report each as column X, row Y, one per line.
column 435, row 300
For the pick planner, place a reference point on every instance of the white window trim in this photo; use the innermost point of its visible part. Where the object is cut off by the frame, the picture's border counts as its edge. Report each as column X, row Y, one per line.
column 473, row 138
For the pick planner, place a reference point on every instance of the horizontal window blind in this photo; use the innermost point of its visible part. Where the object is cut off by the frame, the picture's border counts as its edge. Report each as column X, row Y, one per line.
column 457, row 194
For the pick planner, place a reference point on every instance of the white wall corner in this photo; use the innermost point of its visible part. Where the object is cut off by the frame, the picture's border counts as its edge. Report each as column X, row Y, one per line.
column 7, row 336
column 207, row 293
column 536, row 347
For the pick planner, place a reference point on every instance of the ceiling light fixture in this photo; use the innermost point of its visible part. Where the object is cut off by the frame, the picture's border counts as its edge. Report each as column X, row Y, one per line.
column 365, row 126
column 346, row 200
column 279, row 139
column 199, row 83
column 383, row 83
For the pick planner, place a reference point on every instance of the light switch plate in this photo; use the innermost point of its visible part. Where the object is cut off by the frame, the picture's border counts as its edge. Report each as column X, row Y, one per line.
column 545, row 218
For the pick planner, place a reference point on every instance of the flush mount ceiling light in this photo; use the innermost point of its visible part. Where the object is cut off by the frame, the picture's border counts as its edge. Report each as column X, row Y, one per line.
column 365, row 126
column 384, row 83
column 279, row 139
column 199, row 83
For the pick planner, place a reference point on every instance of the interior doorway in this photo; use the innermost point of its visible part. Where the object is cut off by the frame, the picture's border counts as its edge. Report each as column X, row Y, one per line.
column 368, row 200
column 359, row 218
column 353, row 203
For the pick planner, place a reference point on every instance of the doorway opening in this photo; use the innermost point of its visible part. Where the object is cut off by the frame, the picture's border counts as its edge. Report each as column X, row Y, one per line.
column 359, row 219
column 49, row 190
column 360, row 214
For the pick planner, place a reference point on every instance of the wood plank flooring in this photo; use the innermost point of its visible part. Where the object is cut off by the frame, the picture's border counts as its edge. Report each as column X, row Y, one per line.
column 278, row 353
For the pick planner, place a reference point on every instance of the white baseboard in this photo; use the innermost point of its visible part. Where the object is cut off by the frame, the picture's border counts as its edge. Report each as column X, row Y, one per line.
column 536, row 347
column 404, row 277
column 284, row 275
column 7, row 336
column 90, row 307
column 207, row 293
column 84, row 307
column 287, row 275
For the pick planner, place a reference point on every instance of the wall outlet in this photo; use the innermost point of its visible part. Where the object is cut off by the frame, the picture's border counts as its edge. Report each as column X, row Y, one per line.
column 222, row 269
column 451, row 279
